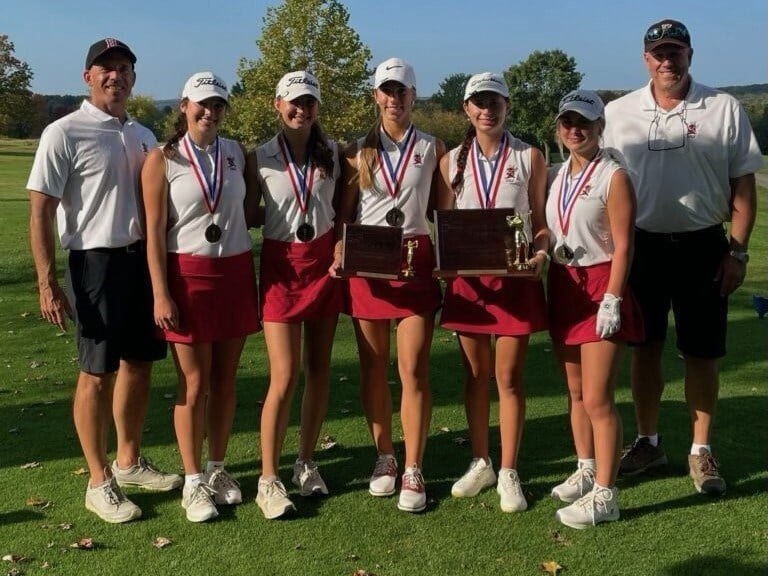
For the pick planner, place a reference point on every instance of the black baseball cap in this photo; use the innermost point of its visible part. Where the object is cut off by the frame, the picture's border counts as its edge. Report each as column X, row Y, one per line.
column 107, row 45
column 666, row 32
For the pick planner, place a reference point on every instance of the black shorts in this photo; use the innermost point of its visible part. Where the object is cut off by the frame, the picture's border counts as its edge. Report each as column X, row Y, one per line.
column 111, row 296
column 678, row 271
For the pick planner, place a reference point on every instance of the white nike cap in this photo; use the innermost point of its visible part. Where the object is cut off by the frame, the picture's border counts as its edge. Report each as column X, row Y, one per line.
column 395, row 70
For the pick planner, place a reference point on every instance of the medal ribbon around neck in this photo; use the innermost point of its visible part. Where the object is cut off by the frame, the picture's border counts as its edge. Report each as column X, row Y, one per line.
column 489, row 188
column 393, row 178
column 569, row 194
column 302, row 184
column 211, row 187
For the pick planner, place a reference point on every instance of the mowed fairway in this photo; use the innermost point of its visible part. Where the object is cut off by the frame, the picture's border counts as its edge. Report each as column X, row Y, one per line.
column 665, row 528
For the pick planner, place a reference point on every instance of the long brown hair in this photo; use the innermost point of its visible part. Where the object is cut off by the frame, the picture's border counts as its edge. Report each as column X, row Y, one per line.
column 369, row 155
column 320, row 151
column 179, row 129
column 457, row 184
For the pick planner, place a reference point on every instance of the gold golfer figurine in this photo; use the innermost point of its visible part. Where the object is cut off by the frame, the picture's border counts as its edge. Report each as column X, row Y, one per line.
column 516, row 245
column 410, row 246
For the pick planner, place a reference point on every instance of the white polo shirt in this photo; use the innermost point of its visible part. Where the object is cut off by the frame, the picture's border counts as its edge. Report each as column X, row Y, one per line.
column 283, row 212
column 91, row 162
column 681, row 161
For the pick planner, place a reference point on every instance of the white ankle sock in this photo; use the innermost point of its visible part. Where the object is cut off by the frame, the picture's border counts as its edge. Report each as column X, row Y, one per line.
column 586, row 463
column 696, row 447
column 653, row 438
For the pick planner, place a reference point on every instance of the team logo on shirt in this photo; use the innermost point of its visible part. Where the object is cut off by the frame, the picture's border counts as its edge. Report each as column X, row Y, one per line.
column 510, row 174
column 692, row 130
column 417, row 159
column 231, row 163
column 585, row 190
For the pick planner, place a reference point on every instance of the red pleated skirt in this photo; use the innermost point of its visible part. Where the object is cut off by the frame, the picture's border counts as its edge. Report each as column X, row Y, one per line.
column 504, row 306
column 574, row 295
column 294, row 280
column 217, row 298
column 380, row 299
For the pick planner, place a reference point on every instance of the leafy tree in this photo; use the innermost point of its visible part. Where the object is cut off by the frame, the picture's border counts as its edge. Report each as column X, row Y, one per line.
column 536, row 86
column 450, row 95
column 144, row 109
column 16, row 107
column 450, row 127
column 309, row 35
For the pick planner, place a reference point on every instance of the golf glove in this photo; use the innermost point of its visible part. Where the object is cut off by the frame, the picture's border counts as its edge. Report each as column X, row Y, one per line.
column 608, row 316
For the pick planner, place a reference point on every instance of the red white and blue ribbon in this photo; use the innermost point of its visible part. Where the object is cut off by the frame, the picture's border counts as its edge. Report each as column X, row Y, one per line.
column 569, row 191
column 209, row 178
column 490, row 188
column 393, row 177
column 302, row 179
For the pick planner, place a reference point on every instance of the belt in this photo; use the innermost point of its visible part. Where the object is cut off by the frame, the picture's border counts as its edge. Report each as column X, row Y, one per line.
column 134, row 248
column 693, row 236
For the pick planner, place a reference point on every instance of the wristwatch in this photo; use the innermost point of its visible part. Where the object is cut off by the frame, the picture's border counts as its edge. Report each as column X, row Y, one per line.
column 739, row 255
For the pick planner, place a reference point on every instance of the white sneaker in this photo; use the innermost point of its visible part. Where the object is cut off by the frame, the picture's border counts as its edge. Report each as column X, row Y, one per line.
column 198, row 502
column 226, row 488
column 273, row 499
column 413, row 494
column 146, row 475
column 109, row 503
column 600, row 505
column 512, row 498
column 307, row 479
column 384, row 476
column 478, row 476
column 575, row 486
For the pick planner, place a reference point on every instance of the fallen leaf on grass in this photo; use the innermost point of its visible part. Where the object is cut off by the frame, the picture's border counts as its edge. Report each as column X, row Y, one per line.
column 327, row 442
column 559, row 537
column 24, row 314
column 551, row 567
column 344, row 411
column 13, row 558
column 35, row 364
column 445, row 429
column 361, row 572
column 83, row 544
column 29, row 465
column 80, row 472
column 39, row 503
column 343, row 378
column 169, row 396
column 14, row 572
column 353, row 557
column 161, row 542
column 45, row 565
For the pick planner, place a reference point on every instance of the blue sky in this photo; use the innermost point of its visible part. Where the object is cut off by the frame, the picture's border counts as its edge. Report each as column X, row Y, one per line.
column 173, row 39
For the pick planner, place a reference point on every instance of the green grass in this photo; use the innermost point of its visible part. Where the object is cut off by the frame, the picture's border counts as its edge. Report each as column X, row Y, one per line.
column 666, row 529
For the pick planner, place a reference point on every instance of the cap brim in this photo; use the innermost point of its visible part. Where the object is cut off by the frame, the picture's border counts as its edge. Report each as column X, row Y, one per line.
column 651, row 45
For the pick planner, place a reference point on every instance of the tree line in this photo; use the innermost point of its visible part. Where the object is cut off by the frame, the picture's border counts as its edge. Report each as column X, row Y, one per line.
column 315, row 35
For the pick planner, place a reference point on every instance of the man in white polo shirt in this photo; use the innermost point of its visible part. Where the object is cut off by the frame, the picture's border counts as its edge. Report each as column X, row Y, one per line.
column 693, row 155
column 86, row 174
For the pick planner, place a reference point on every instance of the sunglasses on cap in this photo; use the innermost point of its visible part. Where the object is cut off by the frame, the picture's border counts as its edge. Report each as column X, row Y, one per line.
column 656, row 33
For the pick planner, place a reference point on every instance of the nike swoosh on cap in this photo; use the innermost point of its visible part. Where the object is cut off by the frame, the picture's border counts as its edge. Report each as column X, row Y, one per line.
column 393, row 66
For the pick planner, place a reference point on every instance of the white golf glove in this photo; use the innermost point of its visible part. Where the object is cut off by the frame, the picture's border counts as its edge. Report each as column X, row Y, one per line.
column 608, row 316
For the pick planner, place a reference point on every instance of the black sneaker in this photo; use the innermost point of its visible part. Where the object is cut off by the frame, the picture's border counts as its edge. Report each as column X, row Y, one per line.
column 641, row 456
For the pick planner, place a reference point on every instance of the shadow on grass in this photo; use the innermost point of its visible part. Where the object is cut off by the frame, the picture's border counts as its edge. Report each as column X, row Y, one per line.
column 19, row 517
column 715, row 565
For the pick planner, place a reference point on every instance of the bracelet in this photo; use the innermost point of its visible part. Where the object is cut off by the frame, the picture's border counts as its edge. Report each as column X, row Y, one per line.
column 544, row 253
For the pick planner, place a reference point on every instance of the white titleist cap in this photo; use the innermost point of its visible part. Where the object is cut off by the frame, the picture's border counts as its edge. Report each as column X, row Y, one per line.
column 584, row 102
column 486, row 82
column 296, row 84
column 395, row 70
column 204, row 85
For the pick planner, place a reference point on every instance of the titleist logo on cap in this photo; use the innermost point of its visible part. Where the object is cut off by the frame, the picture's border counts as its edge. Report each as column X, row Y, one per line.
column 301, row 80
column 209, row 81
column 577, row 98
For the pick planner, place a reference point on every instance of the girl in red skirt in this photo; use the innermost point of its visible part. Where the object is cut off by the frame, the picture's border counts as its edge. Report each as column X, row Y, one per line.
column 296, row 173
column 204, row 284
column 591, row 216
column 388, row 178
column 493, row 169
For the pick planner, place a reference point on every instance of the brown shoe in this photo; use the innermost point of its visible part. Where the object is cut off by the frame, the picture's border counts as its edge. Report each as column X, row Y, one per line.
column 705, row 472
column 640, row 456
